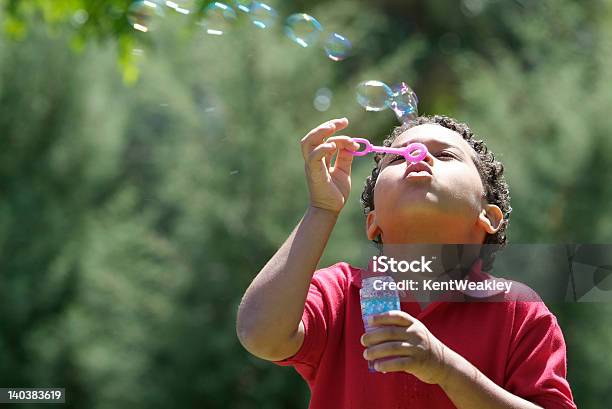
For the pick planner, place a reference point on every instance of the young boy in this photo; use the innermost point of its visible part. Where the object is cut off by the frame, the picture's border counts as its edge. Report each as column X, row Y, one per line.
column 428, row 355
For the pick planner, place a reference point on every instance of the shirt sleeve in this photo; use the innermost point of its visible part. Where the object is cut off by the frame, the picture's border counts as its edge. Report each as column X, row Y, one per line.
column 537, row 367
column 316, row 320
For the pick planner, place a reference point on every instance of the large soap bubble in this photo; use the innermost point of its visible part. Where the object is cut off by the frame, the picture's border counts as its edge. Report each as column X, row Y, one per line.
column 303, row 29
column 374, row 95
column 262, row 15
column 404, row 102
column 337, row 47
column 243, row 5
column 218, row 18
column 144, row 15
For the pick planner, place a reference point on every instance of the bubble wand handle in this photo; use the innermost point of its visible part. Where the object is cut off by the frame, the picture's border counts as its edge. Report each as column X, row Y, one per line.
column 407, row 152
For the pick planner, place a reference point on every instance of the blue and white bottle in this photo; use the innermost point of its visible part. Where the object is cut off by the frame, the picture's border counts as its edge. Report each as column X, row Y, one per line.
column 375, row 301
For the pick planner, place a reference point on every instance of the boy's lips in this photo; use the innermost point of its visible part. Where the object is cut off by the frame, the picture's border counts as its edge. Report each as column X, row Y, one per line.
column 418, row 169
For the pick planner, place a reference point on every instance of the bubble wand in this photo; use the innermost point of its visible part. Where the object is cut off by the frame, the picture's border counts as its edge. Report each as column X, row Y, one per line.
column 407, row 152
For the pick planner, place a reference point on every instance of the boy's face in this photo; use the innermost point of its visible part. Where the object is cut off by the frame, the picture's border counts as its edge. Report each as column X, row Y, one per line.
column 447, row 206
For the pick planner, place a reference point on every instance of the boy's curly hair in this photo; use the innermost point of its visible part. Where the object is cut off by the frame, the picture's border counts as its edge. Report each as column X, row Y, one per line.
column 491, row 173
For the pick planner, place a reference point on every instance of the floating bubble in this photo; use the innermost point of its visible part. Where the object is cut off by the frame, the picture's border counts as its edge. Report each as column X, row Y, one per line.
column 322, row 100
column 262, row 15
column 218, row 18
column 374, row 95
column 472, row 8
column 142, row 15
column 404, row 102
column 138, row 52
column 181, row 6
column 337, row 47
column 243, row 5
column 303, row 29
column 80, row 17
column 139, row 58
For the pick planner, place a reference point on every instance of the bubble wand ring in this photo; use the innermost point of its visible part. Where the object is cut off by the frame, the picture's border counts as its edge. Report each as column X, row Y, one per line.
column 407, row 152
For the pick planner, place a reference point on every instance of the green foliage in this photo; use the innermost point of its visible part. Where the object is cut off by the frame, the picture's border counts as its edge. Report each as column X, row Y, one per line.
column 132, row 218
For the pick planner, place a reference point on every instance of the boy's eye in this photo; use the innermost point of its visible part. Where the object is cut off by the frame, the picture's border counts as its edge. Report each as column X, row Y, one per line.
column 445, row 155
column 395, row 158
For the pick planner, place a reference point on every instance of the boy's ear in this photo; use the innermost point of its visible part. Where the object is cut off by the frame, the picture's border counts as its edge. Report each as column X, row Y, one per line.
column 372, row 229
column 490, row 218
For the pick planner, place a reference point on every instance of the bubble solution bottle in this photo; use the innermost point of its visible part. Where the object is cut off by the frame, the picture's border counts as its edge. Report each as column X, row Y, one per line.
column 376, row 301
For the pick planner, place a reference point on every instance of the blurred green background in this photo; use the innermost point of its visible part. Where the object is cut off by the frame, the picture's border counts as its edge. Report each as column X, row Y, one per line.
column 146, row 178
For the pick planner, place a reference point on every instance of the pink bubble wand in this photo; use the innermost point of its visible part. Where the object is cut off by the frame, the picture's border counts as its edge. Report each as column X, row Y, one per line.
column 407, row 152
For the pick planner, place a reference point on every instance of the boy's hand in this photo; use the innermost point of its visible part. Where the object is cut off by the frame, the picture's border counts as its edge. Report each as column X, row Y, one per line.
column 408, row 346
column 329, row 186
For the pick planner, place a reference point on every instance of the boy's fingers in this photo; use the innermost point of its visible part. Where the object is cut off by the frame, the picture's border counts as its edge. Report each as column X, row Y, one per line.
column 316, row 136
column 328, row 157
column 343, row 141
column 395, row 317
column 402, row 364
column 386, row 349
column 385, row 333
column 320, row 151
column 344, row 161
column 343, row 158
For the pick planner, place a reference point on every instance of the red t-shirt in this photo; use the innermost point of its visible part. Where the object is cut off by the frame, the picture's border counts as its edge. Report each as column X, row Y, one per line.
column 517, row 344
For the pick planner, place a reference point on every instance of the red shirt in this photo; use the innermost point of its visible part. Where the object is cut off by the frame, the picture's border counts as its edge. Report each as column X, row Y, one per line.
column 517, row 344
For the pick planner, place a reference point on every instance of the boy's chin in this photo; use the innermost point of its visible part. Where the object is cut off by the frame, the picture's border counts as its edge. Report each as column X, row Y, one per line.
column 423, row 227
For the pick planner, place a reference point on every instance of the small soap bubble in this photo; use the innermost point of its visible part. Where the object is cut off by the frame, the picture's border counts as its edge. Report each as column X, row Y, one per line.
column 337, row 47
column 322, row 100
column 303, row 29
column 262, row 15
column 80, row 17
column 218, row 18
column 243, row 5
column 374, row 95
column 404, row 102
column 472, row 8
column 143, row 15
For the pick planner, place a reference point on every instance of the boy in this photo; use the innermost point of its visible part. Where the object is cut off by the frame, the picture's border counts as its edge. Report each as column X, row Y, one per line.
column 428, row 355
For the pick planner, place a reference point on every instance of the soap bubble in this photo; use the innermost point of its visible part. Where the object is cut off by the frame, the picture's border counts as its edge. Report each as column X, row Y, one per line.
column 374, row 95
column 143, row 15
column 181, row 6
column 262, row 15
column 243, row 5
column 303, row 29
column 322, row 100
column 337, row 47
column 402, row 89
column 218, row 18
column 79, row 17
column 404, row 102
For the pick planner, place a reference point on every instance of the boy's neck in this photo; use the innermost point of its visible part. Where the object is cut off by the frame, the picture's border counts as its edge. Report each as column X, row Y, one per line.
column 443, row 257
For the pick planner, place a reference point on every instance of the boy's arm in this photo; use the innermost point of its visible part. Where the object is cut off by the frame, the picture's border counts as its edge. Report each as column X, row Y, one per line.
column 467, row 387
column 269, row 317
column 409, row 346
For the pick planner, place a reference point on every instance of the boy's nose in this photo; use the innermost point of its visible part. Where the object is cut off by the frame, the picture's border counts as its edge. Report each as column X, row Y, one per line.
column 428, row 158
